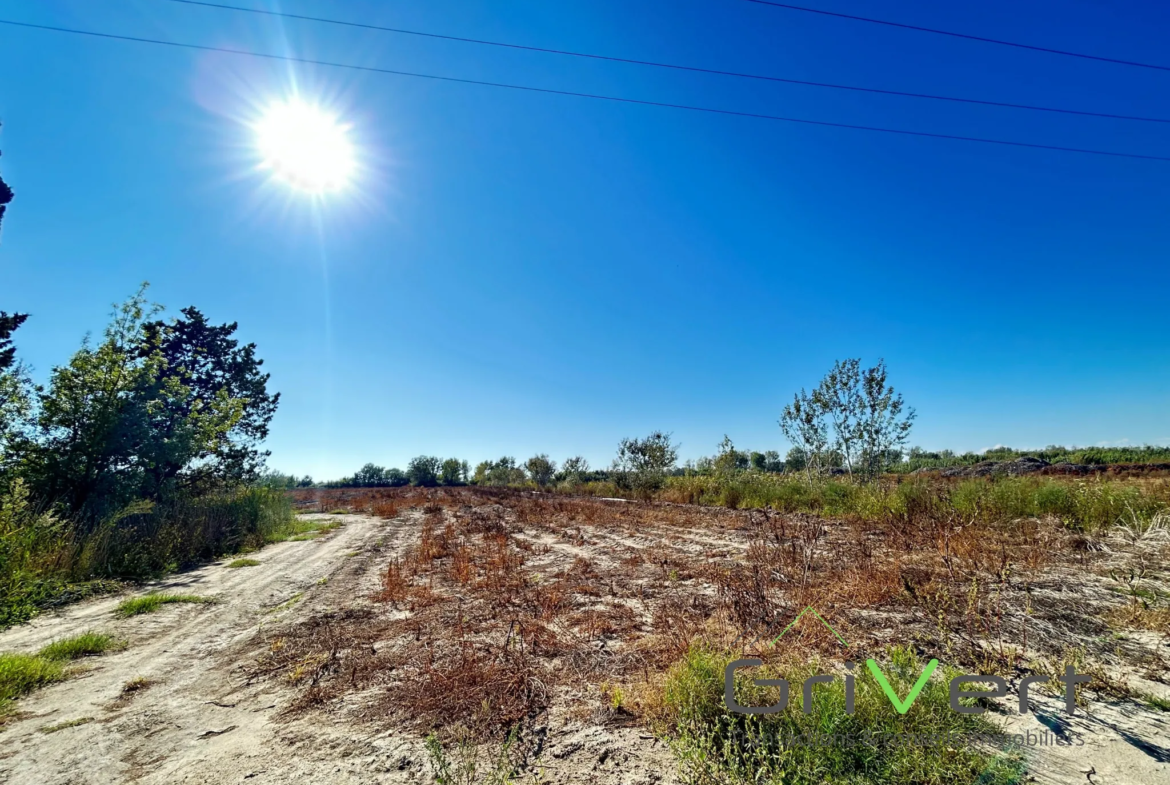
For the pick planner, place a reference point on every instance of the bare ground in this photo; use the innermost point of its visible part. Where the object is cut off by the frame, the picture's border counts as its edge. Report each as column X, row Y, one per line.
column 255, row 688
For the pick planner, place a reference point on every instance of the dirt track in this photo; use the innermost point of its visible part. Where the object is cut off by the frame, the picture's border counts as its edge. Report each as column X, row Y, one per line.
column 199, row 722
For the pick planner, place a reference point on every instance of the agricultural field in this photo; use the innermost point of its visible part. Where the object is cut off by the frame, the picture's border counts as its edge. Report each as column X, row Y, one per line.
column 506, row 635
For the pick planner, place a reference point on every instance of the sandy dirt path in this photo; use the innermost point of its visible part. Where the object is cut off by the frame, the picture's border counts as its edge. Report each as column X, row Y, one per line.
column 200, row 721
column 204, row 721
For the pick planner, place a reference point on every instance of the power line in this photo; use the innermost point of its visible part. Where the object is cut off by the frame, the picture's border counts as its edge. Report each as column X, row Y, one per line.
column 966, row 36
column 671, row 66
column 594, row 96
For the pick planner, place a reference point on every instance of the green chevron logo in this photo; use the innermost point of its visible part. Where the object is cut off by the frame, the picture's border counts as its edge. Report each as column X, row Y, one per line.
column 821, row 619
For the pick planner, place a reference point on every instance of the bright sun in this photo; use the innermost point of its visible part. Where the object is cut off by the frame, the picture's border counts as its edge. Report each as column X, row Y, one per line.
column 305, row 147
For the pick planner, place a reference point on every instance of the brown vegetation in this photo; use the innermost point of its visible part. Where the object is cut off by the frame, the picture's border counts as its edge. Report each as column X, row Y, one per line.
column 499, row 605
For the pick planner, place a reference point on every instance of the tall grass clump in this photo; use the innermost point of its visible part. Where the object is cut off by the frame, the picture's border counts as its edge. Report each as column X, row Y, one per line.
column 33, row 551
column 20, row 674
column 165, row 537
column 87, row 644
column 45, row 560
column 929, row 744
column 1083, row 505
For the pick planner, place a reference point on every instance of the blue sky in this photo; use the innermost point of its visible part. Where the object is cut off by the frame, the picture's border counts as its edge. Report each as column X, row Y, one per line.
column 515, row 272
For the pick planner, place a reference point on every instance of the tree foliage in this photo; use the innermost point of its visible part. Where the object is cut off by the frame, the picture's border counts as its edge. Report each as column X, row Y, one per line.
column 453, row 472
column 642, row 464
column 203, row 366
column 16, row 394
column 853, row 418
column 729, row 460
column 541, row 469
column 575, row 469
column 151, row 410
column 424, row 470
column 8, row 325
column 499, row 472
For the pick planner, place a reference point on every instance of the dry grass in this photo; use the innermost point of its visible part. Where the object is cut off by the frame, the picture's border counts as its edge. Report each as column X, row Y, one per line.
column 503, row 603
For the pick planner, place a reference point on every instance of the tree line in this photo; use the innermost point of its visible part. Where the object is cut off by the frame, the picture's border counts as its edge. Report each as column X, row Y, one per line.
column 853, row 422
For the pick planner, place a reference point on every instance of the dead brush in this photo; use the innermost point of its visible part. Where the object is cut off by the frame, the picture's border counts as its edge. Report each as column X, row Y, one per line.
column 484, row 521
column 550, row 601
column 502, row 576
column 620, row 591
column 396, row 583
column 434, row 545
column 609, row 621
column 327, row 655
column 462, row 569
column 387, row 509
column 469, row 685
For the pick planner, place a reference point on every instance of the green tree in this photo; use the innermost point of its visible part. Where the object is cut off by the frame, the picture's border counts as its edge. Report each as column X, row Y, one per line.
column 150, row 410
column 203, row 367
column 642, row 464
column 541, row 469
column 451, row 472
column 16, row 393
column 729, row 460
column 501, row 472
column 94, row 416
column 370, row 476
column 883, row 422
column 796, row 460
column 9, row 323
column 276, row 480
column 575, row 469
column 803, row 424
column 853, row 419
column 424, row 470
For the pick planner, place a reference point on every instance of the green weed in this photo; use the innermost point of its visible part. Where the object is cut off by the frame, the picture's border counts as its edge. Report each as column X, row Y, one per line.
column 1156, row 702
column 873, row 745
column 291, row 601
column 22, row 673
column 85, row 645
column 301, row 529
column 470, row 764
column 151, row 602
column 243, row 563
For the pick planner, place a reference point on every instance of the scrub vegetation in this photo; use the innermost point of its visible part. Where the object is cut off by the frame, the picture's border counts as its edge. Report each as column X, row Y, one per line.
column 502, row 609
column 139, row 457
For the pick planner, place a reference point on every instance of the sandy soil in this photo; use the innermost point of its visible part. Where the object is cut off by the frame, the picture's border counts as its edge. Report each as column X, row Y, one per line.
column 206, row 719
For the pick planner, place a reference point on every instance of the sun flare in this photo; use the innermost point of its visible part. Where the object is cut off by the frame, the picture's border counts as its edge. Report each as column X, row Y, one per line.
column 305, row 147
